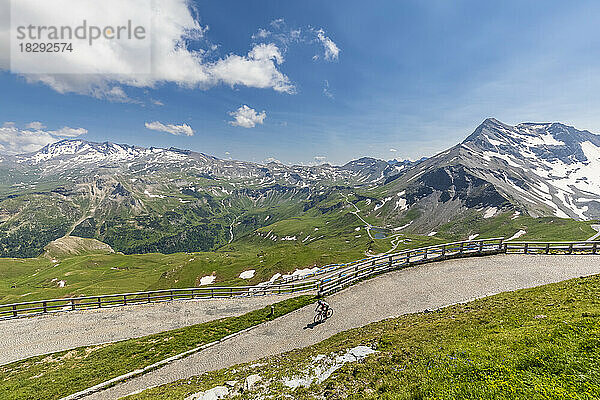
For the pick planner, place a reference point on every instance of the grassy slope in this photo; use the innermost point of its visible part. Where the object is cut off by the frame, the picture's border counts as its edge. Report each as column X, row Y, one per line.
column 541, row 343
column 59, row 374
column 333, row 239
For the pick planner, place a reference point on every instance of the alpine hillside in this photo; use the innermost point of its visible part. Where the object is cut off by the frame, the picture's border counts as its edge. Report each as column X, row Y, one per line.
column 140, row 200
column 535, row 169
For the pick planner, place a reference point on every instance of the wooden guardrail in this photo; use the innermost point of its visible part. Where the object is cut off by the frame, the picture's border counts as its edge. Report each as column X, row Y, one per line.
column 552, row 247
column 332, row 277
column 30, row 308
column 342, row 278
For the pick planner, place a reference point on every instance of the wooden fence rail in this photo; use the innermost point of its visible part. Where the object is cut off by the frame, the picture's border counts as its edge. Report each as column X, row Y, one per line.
column 552, row 247
column 78, row 303
column 331, row 278
column 342, row 278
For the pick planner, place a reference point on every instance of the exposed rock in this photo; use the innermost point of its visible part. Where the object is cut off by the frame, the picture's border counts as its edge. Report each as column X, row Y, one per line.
column 251, row 382
column 218, row 392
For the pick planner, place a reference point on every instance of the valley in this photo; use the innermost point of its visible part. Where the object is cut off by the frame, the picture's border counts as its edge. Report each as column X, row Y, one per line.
column 82, row 218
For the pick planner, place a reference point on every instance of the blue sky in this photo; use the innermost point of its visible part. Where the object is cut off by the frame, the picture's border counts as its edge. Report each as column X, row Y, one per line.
column 413, row 76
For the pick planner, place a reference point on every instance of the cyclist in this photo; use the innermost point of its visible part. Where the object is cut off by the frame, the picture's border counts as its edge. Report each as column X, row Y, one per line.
column 322, row 306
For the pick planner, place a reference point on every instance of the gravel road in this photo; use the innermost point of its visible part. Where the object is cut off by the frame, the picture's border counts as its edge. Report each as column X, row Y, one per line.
column 27, row 337
column 396, row 293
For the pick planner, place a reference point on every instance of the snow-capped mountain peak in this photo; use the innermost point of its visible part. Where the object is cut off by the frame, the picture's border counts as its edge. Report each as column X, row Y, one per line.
column 551, row 163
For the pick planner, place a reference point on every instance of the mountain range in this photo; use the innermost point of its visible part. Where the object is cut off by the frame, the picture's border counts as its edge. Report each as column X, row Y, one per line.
column 141, row 200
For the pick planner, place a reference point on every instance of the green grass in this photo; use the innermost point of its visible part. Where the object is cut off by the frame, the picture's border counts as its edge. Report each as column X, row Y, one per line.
column 541, row 229
column 59, row 374
column 94, row 274
column 540, row 343
column 336, row 240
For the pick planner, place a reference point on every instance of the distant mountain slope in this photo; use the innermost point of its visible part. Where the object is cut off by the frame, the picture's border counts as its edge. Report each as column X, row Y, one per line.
column 74, row 159
column 538, row 169
column 140, row 200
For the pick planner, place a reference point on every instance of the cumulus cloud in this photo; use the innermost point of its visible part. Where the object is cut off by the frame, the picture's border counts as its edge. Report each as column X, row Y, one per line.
column 320, row 159
column 177, row 35
column 178, row 130
column 393, row 150
column 247, row 117
column 14, row 140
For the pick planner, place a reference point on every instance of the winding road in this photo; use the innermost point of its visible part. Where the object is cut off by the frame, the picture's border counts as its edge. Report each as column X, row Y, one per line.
column 28, row 337
column 597, row 235
column 405, row 291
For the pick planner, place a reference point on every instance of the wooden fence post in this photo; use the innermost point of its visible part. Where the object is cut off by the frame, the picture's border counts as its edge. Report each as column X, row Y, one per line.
column 594, row 248
column 124, row 299
column 99, row 303
column 45, row 307
column 14, row 308
column 72, row 305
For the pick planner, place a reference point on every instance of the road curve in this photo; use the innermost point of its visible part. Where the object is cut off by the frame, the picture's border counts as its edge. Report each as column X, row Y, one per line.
column 27, row 337
column 409, row 290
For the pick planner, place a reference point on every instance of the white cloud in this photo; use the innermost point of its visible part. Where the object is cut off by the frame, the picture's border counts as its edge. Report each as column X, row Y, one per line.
column 178, row 130
column 261, row 34
column 258, row 69
column 320, row 158
column 393, row 150
column 332, row 51
column 65, row 131
column 14, row 140
column 326, row 90
column 272, row 160
column 280, row 33
column 247, row 117
column 278, row 23
column 35, row 125
column 175, row 30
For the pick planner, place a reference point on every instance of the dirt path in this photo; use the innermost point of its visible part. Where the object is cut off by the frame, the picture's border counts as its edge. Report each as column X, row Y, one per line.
column 396, row 293
column 597, row 235
column 27, row 337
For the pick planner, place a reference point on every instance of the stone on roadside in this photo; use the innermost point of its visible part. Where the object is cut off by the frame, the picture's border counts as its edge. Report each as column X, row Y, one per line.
column 216, row 393
column 251, row 382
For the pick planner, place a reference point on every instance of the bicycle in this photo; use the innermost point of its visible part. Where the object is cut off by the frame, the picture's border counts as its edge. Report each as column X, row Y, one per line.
column 323, row 315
